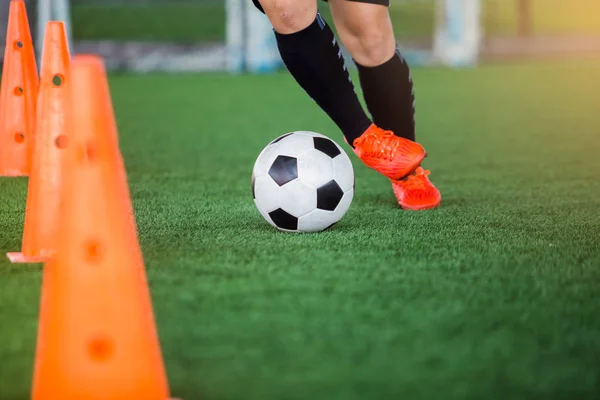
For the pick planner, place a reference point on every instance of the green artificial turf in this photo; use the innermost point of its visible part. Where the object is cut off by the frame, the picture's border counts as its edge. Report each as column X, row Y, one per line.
column 495, row 295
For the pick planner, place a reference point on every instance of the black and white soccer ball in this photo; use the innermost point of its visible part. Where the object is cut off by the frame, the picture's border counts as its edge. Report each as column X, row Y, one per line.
column 303, row 182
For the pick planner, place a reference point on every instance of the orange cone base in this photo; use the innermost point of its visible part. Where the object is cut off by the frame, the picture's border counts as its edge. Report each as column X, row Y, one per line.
column 20, row 258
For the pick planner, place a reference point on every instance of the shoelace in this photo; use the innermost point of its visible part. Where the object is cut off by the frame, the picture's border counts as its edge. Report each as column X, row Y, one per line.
column 418, row 178
column 380, row 145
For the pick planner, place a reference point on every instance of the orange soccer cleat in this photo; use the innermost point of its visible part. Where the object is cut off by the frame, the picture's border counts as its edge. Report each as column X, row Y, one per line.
column 388, row 154
column 416, row 192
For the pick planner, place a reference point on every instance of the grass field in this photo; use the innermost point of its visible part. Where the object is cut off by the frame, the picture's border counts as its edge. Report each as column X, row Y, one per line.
column 189, row 21
column 494, row 295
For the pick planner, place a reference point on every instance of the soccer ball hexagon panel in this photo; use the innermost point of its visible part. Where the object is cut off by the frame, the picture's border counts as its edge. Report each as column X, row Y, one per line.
column 303, row 182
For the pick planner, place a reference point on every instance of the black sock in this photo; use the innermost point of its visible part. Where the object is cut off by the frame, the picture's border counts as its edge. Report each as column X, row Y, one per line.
column 389, row 95
column 314, row 59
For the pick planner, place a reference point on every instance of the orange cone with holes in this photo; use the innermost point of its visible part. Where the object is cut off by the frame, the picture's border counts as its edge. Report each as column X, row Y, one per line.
column 102, row 113
column 18, row 95
column 97, row 337
column 48, row 164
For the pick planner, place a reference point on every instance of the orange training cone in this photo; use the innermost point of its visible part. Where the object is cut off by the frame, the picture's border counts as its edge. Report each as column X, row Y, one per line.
column 97, row 337
column 93, row 80
column 18, row 95
column 45, row 180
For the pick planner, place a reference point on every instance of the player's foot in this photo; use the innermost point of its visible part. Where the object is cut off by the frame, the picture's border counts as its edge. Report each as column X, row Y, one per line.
column 388, row 154
column 416, row 192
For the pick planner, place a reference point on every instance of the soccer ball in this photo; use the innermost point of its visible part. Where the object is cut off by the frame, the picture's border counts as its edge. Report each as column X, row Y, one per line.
column 303, row 182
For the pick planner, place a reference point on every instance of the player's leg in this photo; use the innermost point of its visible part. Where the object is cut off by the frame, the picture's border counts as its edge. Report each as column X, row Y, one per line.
column 312, row 55
column 366, row 30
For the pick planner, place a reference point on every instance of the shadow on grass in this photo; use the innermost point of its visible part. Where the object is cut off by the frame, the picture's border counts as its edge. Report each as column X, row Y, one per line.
column 263, row 227
column 15, row 269
column 388, row 202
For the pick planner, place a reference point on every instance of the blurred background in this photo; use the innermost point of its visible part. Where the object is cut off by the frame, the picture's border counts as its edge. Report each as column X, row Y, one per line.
column 191, row 35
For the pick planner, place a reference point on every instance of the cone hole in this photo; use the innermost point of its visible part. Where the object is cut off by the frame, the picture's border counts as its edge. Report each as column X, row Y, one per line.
column 58, row 80
column 18, row 91
column 92, row 251
column 18, row 45
column 100, row 348
column 61, row 142
column 90, row 152
column 19, row 137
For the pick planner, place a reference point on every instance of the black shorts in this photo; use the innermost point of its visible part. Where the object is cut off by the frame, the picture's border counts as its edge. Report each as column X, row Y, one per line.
column 380, row 2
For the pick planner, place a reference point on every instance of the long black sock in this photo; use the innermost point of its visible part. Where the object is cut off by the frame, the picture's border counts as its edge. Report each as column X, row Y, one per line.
column 389, row 95
column 314, row 59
